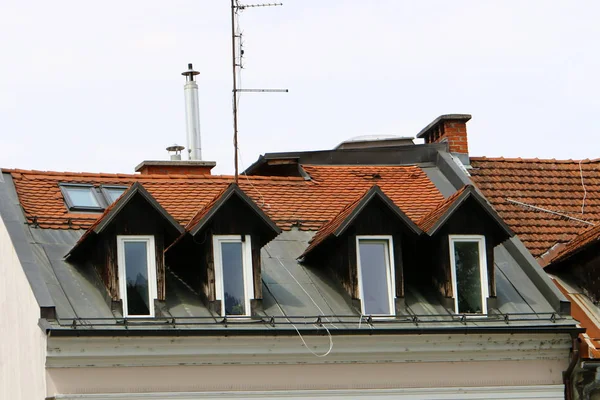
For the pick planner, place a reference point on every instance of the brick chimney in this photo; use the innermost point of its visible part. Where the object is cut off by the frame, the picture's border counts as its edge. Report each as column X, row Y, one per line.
column 452, row 129
column 189, row 167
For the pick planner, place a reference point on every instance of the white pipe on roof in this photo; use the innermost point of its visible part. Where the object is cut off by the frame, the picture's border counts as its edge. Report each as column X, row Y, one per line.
column 192, row 115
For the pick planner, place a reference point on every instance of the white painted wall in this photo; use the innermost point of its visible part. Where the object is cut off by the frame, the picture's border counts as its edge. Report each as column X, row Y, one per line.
column 22, row 342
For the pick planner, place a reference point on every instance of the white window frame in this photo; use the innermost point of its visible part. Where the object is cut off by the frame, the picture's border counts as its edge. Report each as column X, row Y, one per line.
column 152, row 284
column 246, row 270
column 483, row 274
column 390, row 270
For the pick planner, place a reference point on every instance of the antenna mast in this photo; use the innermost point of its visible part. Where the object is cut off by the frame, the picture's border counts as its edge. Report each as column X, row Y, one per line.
column 237, row 66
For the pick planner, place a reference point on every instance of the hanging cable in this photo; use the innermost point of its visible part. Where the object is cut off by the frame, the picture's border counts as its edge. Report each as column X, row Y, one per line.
column 304, row 290
column 584, row 189
column 298, row 331
column 262, row 199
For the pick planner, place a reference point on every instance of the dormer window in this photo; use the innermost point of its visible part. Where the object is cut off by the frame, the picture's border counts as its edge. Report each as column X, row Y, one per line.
column 469, row 273
column 233, row 273
column 376, row 274
column 137, row 274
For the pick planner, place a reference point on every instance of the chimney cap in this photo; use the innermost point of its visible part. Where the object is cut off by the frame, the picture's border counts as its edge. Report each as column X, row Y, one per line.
column 190, row 73
column 175, row 147
column 445, row 117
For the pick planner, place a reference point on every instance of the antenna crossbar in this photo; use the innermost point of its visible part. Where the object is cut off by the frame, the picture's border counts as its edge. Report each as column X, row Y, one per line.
column 237, row 65
column 242, row 6
column 263, row 90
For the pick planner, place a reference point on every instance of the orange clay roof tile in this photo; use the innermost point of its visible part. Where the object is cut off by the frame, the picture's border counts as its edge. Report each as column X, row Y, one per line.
column 581, row 241
column 288, row 201
column 429, row 220
column 554, row 185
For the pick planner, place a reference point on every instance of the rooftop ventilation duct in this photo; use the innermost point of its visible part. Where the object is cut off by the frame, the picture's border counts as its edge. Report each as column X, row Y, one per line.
column 192, row 114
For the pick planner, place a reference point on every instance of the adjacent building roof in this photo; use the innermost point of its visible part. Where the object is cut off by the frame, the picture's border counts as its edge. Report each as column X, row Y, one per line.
column 544, row 201
column 587, row 238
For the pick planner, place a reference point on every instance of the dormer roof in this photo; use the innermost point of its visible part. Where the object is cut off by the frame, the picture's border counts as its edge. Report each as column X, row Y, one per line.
column 437, row 217
column 339, row 224
column 206, row 213
column 111, row 212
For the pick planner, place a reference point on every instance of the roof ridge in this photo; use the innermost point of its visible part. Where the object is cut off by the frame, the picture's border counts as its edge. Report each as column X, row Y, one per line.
column 540, row 160
column 71, row 174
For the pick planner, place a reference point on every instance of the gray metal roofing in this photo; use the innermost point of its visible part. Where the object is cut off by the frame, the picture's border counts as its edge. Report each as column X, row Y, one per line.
column 292, row 292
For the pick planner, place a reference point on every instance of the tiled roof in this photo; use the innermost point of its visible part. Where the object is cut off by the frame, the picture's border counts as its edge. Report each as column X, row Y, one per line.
column 288, row 201
column 328, row 228
column 554, row 185
column 205, row 209
column 429, row 220
column 580, row 241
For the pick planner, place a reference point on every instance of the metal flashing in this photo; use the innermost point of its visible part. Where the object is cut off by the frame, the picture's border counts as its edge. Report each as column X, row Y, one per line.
column 537, row 275
column 16, row 226
column 393, row 155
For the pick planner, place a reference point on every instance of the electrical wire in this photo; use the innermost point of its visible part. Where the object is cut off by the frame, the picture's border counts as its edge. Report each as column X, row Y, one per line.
column 584, row 189
column 302, row 287
column 262, row 199
column 298, row 331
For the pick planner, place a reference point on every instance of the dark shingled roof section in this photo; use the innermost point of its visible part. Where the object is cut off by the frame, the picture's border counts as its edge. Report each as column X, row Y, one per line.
column 550, row 184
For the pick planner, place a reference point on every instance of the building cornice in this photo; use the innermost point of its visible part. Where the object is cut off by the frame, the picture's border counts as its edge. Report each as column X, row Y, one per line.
column 255, row 350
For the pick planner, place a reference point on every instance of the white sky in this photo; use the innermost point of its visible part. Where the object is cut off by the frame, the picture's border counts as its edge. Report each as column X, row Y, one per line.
column 96, row 86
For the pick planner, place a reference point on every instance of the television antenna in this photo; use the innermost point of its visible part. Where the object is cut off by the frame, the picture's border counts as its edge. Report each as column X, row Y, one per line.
column 237, row 54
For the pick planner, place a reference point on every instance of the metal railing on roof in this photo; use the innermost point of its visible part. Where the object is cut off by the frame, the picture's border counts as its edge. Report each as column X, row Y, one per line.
column 305, row 320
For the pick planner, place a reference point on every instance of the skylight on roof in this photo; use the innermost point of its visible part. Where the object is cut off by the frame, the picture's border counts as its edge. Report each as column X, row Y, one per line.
column 81, row 197
column 112, row 193
column 86, row 197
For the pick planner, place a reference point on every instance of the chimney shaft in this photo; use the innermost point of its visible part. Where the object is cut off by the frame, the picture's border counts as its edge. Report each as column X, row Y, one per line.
column 452, row 129
column 192, row 114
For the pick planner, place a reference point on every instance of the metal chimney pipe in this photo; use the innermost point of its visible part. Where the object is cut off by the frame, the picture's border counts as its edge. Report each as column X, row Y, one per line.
column 192, row 114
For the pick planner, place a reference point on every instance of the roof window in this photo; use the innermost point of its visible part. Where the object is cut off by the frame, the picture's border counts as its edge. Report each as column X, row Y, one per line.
column 81, row 198
column 85, row 197
column 112, row 193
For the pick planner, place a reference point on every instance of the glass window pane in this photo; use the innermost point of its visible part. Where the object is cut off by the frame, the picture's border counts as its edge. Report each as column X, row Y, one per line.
column 82, row 197
column 136, row 277
column 468, row 278
column 233, row 278
column 113, row 193
column 373, row 269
